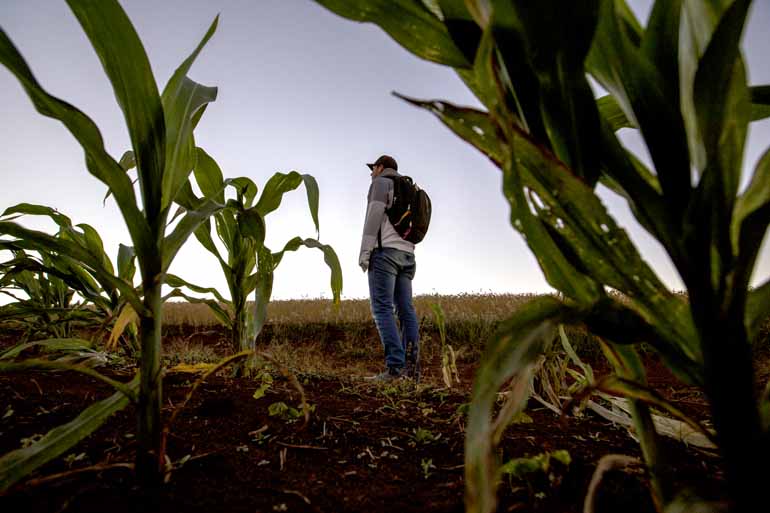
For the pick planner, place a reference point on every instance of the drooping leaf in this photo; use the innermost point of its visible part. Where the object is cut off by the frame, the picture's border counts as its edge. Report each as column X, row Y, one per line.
column 175, row 281
column 473, row 126
column 17, row 464
column 272, row 194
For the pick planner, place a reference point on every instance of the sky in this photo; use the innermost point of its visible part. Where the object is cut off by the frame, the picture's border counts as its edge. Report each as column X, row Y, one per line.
column 299, row 89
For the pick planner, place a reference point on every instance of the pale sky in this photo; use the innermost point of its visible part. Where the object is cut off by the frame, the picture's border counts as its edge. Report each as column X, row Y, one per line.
column 299, row 89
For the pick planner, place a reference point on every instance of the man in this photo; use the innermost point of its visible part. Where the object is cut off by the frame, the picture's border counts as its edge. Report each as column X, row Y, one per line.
column 389, row 261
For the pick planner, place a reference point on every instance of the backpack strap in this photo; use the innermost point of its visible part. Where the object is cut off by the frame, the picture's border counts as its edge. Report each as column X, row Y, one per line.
column 379, row 237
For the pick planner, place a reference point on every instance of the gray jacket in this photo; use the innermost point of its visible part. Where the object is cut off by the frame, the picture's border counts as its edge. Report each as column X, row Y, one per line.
column 380, row 197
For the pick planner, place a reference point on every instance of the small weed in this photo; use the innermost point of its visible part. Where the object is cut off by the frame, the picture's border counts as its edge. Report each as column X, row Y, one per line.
column 286, row 412
column 427, row 465
column 424, row 436
column 538, row 472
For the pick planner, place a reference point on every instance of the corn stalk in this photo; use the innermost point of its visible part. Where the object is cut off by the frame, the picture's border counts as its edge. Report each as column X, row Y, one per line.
column 680, row 81
column 163, row 150
column 248, row 265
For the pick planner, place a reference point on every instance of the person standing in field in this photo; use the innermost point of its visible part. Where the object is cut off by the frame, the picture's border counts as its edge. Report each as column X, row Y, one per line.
column 389, row 261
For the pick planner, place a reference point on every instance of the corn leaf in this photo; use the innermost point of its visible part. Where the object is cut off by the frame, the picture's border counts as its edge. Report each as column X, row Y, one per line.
column 272, row 194
column 631, row 77
column 182, row 99
column 330, row 257
column 208, row 176
column 409, row 22
column 51, row 344
column 17, row 464
column 516, row 345
column 473, row 126
column 751, row 218
column 757, row 310
column 126, row 263
column 175, row 281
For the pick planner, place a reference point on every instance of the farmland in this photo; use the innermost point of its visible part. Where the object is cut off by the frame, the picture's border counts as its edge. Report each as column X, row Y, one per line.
column 124, row 384
column 365, row 448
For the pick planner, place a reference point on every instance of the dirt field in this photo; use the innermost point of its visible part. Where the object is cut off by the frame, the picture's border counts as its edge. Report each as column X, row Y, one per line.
column 366, row 448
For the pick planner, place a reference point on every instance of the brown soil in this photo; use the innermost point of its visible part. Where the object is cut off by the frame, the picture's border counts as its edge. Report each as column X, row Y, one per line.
column 358, row 453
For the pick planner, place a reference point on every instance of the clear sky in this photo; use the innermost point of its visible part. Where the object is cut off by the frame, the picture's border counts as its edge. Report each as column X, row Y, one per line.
column 299, row 89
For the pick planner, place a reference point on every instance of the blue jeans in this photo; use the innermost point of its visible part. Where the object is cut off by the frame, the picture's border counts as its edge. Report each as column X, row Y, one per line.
column 390, row 292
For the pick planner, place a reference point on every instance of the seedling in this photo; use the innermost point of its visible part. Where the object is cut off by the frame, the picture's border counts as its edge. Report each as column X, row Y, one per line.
column 427, row 465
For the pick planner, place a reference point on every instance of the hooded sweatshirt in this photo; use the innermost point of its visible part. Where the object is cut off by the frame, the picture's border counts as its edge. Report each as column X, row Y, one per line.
column 379, row 199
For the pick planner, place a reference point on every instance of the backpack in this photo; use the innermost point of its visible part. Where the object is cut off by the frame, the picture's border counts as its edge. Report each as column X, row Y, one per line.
column 410, row 212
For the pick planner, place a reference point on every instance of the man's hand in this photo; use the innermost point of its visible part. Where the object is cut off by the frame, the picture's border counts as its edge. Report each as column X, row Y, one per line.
column 363, row 261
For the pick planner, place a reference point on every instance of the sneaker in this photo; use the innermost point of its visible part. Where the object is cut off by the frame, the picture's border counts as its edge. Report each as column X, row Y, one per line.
column 391, row 374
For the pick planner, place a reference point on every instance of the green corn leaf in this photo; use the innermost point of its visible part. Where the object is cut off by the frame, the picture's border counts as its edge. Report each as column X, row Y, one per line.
column 757, row 310
column 610, row 110
column 98, row 161
column 247, row 188
column 175, row 281
column 188, row 97
column 699, row 22
column 330, row 257
column 94, row 245
column 556, row 47
column 125, row 62
column 272, row 194
column 516, row 74
column 38, row 210
column 311, row 187
column 721, row 99
column 473, row 126
column 262, row 283
column 17, row 464
column 660, row 43
column 751, row 218
column 510, row 352
column 462, row 28
column 126, row 263
column 182, row 99
column 51, row 344
column 637, row 85
column 408, row 22
column 209, row 176
column 252, row 225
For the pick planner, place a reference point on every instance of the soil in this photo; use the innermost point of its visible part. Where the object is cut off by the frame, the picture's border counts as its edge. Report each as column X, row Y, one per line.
column 366, row 448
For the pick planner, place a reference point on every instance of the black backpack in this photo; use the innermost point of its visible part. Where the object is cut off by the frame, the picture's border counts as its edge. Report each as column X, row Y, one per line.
column 410, row 212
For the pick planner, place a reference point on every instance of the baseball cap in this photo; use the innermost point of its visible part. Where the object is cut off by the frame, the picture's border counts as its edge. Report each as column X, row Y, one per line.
column 385, row 160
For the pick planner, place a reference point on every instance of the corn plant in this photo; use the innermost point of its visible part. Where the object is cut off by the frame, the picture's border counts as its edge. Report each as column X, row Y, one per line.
column 163, row 151
column 248, row 265
column 51, row 281
column 680, row 81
